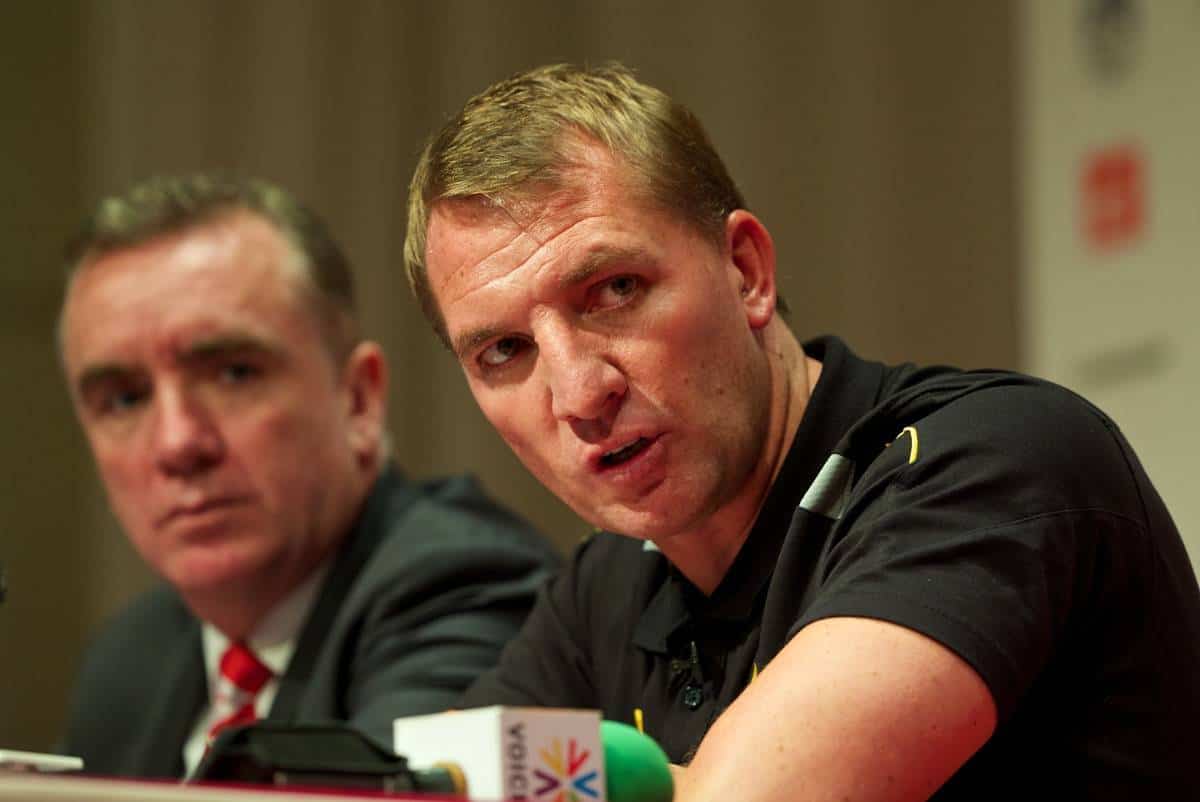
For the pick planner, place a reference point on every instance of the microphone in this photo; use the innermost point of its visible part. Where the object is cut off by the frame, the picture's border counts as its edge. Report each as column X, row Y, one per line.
column 635, row 767
column 539, row 753
column 484, row 754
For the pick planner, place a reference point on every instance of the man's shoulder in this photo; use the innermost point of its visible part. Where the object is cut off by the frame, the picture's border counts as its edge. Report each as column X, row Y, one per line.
column 427, row 552
column 438, row 528
column 138, row 630
column 158, row 609
column 454, row 512
column 1027, row 419
column 1004, row 436
column 991, row 403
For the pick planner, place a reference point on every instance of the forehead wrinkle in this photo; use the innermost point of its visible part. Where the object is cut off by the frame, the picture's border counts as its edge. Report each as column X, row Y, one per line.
column 473, row 214
column 511, row 270
column 540, row 219
column 481, row 267
column 595, row 260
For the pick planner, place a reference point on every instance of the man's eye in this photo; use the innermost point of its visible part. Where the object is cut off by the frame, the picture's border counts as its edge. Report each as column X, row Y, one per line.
column 238, row 372
column 121, row 401
column 501, row 351
column 623, row 285
column 615, row 291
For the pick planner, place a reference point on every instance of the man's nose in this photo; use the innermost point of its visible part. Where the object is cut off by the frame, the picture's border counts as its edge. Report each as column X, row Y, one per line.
column 586, row 386
column 186, row 440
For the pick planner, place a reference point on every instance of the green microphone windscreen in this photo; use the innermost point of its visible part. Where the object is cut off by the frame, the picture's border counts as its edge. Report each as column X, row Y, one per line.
column 635, row 767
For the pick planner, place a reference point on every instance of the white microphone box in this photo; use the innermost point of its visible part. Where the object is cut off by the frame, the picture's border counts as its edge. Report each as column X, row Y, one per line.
column 528, row 753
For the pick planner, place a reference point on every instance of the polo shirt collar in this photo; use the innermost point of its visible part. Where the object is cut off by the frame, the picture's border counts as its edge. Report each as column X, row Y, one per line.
column 847, row 389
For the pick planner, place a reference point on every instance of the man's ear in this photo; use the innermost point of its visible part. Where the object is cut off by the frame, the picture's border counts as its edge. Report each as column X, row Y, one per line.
column 752, row 253
column 364, row 378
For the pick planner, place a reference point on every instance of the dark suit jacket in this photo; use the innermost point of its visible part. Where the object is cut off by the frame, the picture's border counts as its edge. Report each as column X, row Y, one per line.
column 431, row 583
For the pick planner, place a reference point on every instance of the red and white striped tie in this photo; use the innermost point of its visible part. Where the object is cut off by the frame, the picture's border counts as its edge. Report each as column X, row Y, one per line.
column 242, row 677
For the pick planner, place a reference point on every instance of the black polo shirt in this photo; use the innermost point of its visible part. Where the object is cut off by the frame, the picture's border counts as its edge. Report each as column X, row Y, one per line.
column 1002, row 516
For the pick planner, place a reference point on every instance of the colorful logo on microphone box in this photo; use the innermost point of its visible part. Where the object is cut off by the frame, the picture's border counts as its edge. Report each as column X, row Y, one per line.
column 525, row 754
column 569, row 776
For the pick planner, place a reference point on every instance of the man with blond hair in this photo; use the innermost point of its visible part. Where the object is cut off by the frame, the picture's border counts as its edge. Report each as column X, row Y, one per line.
column 236, row 416
column 818, row 576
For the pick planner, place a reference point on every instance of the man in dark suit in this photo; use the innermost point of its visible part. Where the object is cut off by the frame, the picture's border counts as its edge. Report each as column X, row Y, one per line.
column 236, row 417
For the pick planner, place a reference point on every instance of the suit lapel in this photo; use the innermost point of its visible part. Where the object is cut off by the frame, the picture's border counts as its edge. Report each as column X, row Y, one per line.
column 390, row 493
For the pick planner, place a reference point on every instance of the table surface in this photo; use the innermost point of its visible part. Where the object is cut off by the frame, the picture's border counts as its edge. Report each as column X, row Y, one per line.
column 33, row 787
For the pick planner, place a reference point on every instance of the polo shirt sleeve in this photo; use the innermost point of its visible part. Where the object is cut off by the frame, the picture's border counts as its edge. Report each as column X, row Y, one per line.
column 547, row 664
column 989, row 529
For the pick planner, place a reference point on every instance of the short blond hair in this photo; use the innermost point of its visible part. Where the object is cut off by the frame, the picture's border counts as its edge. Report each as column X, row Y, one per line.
column 519, row 136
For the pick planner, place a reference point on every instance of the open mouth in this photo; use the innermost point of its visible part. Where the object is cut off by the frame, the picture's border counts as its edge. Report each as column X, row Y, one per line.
column 623, row 454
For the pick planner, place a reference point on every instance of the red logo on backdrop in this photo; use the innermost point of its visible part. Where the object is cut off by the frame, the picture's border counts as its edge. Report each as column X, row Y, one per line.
column 1114, row 196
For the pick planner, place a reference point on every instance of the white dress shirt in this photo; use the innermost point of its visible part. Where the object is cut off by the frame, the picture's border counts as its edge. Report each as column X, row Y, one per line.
column 273, row 642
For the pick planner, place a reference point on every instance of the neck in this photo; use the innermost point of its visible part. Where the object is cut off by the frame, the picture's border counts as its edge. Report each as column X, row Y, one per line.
column 237, row 613
column 238, row 607
column 704, row 555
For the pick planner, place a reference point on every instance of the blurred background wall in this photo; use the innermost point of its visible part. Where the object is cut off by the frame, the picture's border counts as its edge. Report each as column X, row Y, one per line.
column 878, row 140
column 1110, row 219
